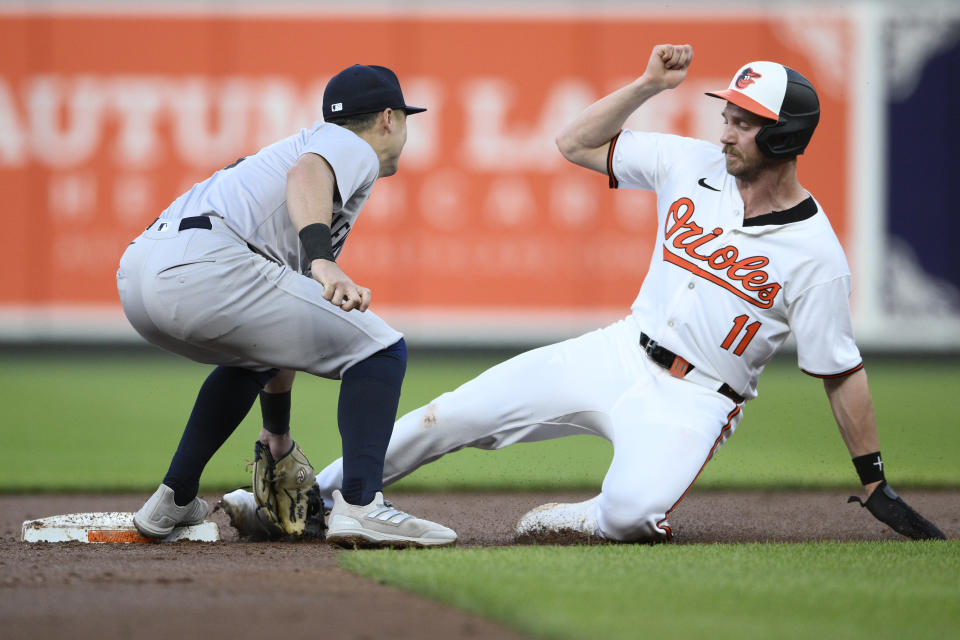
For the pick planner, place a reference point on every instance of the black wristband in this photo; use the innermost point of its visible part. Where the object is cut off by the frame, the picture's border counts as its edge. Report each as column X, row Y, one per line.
column 869, row 467
column 315, row 239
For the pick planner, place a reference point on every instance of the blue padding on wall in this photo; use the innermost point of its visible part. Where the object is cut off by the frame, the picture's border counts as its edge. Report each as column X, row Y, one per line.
column 924, row 167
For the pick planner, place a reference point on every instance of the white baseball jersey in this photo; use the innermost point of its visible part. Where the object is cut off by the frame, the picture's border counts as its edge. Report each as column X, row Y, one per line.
column 251, row 195
column 724, row 292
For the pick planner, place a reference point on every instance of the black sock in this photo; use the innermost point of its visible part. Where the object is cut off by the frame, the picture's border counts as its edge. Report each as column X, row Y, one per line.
column 275, row 409
column 369, row 395
column 223, row 402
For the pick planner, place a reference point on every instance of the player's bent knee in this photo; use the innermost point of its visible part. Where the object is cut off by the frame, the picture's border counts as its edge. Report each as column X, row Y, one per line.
column 397, row 350
column 387, row 365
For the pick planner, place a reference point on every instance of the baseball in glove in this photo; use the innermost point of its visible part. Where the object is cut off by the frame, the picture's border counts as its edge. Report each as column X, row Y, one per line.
column 890, row 509
column 280, row 488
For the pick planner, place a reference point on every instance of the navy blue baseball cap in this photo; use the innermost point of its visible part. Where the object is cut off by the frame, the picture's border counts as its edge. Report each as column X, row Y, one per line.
column 363, row 89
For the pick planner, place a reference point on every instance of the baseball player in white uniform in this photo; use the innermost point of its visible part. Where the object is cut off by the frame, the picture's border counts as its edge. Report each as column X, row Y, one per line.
column 744, row 256
column 240, row 272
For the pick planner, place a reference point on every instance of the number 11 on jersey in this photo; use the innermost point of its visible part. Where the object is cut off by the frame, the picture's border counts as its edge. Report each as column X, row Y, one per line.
column 738, row 325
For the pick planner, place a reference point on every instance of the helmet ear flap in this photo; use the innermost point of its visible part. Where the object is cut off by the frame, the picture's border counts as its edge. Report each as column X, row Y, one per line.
column 799, row 116
column 775, row 143
column 789, row 137
column 764, row 142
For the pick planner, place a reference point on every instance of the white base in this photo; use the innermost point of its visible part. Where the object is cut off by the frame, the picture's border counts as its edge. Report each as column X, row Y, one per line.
column 108, row 526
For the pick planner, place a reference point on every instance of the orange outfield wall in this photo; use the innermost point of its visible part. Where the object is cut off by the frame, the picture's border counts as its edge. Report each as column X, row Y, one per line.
column 106, row 119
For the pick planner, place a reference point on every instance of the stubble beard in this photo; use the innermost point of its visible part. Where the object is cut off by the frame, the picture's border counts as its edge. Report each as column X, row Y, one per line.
column 739, row 168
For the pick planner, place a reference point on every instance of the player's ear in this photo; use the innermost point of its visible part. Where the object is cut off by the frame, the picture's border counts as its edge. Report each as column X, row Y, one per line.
column 388, row 119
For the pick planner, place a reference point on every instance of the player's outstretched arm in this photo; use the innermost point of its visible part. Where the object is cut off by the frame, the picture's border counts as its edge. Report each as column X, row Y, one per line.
column 585, row 140
column 853, row 409
column 311, row 185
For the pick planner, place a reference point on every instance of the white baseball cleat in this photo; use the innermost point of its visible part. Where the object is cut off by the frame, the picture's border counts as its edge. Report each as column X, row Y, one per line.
column 241, row 507
column 159, row 516
column 558, row 522
column 379, row 524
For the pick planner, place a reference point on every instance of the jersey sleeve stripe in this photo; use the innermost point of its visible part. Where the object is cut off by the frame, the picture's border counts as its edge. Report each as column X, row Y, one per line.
column 828, row 376
column 729, row 425
column 614, row 183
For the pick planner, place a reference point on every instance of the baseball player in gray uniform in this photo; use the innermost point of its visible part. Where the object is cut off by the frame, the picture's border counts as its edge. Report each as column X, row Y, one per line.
column 745, row 256
column 240, row 272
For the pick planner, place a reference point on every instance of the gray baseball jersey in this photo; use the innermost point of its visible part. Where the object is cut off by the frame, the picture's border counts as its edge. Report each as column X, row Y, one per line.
column 250, row 195
column 220, row 278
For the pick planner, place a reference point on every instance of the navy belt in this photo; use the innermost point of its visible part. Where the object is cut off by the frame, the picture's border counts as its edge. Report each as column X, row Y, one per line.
column 196, row 222
column 203, row 222
column 678, row 367
column 193, row 222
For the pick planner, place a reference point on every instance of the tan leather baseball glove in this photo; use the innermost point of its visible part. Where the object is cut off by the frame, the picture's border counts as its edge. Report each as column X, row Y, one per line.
column 280, row 489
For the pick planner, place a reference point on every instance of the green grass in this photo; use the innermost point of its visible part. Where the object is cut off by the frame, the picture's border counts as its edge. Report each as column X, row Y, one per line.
column 818, row 590
column 111, row 422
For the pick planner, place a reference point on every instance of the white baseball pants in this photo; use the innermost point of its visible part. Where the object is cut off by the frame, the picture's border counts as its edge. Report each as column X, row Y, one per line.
column 663, row 429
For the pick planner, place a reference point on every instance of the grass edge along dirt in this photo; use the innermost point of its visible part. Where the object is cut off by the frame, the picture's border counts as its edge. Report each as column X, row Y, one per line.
column 111, row 423
column 868, row 590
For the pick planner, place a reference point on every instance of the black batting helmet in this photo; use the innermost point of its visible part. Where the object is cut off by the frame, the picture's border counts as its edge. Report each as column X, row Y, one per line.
column 781, row 94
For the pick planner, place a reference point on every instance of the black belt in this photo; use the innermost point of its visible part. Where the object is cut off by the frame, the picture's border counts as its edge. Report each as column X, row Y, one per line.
column 677, row 366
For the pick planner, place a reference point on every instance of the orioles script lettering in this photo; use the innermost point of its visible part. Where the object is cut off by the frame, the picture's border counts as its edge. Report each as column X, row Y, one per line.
column 747, row 279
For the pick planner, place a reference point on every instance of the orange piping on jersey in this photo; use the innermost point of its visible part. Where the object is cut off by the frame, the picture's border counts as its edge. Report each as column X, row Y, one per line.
column 666, row 528
column 613, row 179
column 834, row 375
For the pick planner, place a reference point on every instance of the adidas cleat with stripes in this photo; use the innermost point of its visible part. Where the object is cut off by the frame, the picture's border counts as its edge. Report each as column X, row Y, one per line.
column 379, row 524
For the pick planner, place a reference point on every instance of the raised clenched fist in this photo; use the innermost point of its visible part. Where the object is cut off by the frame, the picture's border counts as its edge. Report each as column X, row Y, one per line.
column 668, row 64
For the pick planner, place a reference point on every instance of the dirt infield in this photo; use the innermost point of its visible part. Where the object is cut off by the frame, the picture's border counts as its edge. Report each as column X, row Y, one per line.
column 217, row 589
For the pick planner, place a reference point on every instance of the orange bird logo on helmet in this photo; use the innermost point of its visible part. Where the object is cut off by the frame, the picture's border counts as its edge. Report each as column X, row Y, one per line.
column 746, row 77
